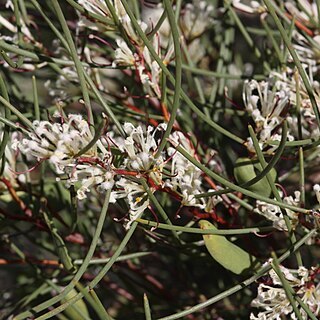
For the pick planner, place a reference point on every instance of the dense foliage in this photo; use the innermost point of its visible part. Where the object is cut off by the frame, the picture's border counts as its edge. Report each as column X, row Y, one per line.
column 159, row 160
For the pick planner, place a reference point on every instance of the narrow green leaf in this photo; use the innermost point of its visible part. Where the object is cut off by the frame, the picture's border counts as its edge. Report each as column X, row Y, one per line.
column 147, row 311
column 60, row 245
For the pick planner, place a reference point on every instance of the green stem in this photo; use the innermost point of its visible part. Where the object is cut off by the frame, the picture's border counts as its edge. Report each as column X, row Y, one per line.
column 74, row 55
column 273, row 40
column 105, row 21
column 246, row 35
column 80, row 272
column 15, row 111
column 97, row 135
column 207, row 231
column 96, row 280
column 158, row 207
column 262, row 174
column 178, row 75
column 61, row 248
column 288, row 290
column 158, row 25
column 274, row 191
column 218, row 75
column 35, row 99
column 13, row 126
column 95, row 302
column 6, row 129
column 302, row 178
column 104, row 105
column 71, row 63
column 7, row 47
column 147, row 311
column 121, row 258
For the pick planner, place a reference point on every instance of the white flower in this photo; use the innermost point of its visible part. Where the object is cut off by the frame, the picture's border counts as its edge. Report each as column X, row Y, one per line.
column 186, row 178
column 263, row 102
column 211, row 202
column 308, row 16
column 249, row 6
column 272, row 297
column 123, row 55
column 316, row 189
column 23, row 27
column 195, row 19
column 11, row 164
column 134, row 194
column 266, row 106
column 274, row 214
column 127, row 25
column 151, row 16
column 141, row 147
column 58, row 142
column 306, row 40
column 294, row 84
column 88, row 176
column 273, row 300
column 308, row 51
column 99, row 7
column 95, row 6
column 9, row 4
column 149, row 70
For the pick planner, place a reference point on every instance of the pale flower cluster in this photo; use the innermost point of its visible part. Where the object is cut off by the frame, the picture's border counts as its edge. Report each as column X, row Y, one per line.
column 140, row 149
column 186, row 178
column 60, row 143
column 11, row 166
column 131, row 51
column 195, row 19
column 306, row 40
column 64, row 144
column 273, row 300
column 276, row 99
column 268, row 108
column 274, row 214
column 293, row 82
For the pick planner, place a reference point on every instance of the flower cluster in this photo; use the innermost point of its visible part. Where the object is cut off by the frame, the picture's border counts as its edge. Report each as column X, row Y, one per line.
column 65, row 145
column 267, row 107
column 274, row 213
column 273, row 298
column 131, row 51
column 62, row 143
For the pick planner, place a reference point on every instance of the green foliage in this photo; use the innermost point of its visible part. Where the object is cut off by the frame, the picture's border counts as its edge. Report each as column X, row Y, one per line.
column 246, row 169
column 229, row 255
column 124, row 123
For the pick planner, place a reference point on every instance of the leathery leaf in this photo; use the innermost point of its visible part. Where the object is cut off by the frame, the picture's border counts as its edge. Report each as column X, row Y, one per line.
column 246, row 169
column 78, row 310
column 229, row 255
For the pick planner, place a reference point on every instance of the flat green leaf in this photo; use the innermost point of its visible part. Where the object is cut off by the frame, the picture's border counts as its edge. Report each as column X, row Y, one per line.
column 78, row 310
column 226, row 253
column 246, row 169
